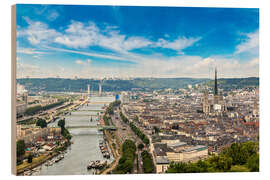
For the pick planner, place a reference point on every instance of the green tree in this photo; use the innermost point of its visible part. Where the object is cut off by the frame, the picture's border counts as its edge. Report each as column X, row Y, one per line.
column 240, row 152
column 61, row 123
column 253, row 163
column 239, row 168
column 30, row 158
column 146, row 140
column 224, row 163
column 140, row 146
column 250, row 147
column 66, row 134
column 20, row 146
column 125, row 164
column 33, row 110
column 177, row 167
column 239, row 157
column 148, row 165
column 192, row 168
column 122, row 160
column 42, row 123
column 136, row 118
column 128, row 164
column 203, row 165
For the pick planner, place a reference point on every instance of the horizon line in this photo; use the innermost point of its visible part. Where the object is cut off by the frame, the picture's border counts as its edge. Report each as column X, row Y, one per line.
column 77, row 78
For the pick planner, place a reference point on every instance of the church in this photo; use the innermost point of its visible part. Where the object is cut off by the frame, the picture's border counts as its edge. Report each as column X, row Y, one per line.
column 215, row 106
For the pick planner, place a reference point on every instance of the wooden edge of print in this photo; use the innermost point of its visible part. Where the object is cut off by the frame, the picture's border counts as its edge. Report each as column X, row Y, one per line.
column 13, row 89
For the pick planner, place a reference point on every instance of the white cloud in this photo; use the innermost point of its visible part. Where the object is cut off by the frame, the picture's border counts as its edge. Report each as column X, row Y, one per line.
column 178, row 44
column 83, row 35
column 27, row 66
column 30, row 70
column 78, row 35
column 229, row 68
column 112, row 41
column 250, row 45
column 136, row 42
column 81, row 62
column 37, row 32
column 29, row 51
column 193, row 66
column 182, row 66
column 52, row 15
column 88, row 53
column 253, row 63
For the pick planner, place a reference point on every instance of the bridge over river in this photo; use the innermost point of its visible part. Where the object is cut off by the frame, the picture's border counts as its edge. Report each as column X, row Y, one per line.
column 99, row 127
column 84, row 126
column 84, row 115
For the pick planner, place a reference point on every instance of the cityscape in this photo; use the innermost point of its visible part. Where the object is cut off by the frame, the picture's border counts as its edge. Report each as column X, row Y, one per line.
column 94, row 96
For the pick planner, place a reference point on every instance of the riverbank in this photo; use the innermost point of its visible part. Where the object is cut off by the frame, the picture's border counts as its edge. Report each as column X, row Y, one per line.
column 38, row 161
column 115, row 151
column 84, row 148
column 35, row 163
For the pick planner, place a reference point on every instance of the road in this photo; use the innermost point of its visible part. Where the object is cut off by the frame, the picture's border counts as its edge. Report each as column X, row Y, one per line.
column 146, row 148
column 116, row 154
column 50, row 112
column 125, row 132
column 114, row 164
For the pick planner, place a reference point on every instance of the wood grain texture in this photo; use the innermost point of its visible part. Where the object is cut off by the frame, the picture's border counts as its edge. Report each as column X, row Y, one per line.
column 13, row 89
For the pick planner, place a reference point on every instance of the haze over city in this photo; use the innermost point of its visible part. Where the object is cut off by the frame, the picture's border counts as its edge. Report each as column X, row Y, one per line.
column 109, row 41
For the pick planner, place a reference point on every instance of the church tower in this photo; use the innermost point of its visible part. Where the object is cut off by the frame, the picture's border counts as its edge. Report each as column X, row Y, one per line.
column 216, row 97
column 206, row 106
column 217, row 105
column 216, row 89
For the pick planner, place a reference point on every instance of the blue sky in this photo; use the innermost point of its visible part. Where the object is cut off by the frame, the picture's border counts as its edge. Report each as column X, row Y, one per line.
column 113, row 41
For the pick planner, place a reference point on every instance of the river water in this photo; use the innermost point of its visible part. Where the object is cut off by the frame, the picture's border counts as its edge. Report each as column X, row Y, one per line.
column 85, row 145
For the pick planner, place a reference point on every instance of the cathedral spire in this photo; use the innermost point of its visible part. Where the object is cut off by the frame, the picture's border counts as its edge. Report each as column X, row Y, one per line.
column 216, row 88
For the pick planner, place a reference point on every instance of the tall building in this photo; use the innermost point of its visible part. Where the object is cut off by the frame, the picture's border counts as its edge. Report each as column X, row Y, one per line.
column 21, row 106
column 216, row 96
column 88, row 89
column 25, row 98
column 206, row 105
column 216, row 88
column 217, row 106
column 100, row 90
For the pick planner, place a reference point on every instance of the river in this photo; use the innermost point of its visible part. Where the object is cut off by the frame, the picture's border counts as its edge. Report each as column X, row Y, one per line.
column 85, row 145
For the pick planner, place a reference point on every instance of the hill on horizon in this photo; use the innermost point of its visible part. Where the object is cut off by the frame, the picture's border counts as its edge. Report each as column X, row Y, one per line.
column 77, row 85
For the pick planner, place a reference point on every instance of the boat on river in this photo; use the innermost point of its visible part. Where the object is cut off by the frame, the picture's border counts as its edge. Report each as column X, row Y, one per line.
column 96, row 164
column 59, row 158
column 27, row 173
column 104, row 149
column 106, row 155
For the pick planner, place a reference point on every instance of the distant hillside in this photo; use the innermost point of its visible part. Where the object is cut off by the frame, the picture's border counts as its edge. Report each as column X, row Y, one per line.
column 236, row 83
column 59, row 84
